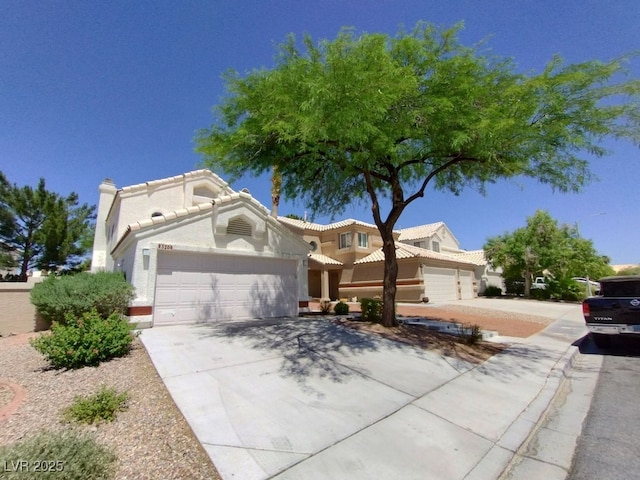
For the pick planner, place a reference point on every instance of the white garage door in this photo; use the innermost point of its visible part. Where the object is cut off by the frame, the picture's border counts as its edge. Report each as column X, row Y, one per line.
column 440, row 284
column 466, row 284
column 193, row 287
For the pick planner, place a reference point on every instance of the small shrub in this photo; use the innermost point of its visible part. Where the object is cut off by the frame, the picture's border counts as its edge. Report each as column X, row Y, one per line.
column 325, row 307
column 64, row 454
column 57, row 297
column 492, row 291
column 471, row 333
column 371, row 309
column 84, row 341
column 541, row 293
column 102, row 406
column 567, row 289
column 341, row 308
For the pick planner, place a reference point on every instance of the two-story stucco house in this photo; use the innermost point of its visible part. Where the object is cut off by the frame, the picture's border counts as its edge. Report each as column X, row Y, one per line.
column 196, row 251
column 346, row 261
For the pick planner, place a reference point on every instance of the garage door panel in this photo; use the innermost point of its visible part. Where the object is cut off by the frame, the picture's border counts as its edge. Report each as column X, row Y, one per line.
column 466, row 284
column 211, row 288
column 440, row 284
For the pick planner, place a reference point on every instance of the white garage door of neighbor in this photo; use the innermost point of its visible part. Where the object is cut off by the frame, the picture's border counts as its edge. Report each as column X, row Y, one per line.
column 440, row 284
column 466, row 284
column 193, row 287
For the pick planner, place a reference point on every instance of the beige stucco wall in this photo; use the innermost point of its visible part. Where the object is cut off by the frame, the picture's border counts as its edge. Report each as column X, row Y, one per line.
column 17, row 314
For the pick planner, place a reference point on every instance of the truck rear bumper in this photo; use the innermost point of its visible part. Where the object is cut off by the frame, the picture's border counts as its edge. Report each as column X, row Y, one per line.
column 613, row 329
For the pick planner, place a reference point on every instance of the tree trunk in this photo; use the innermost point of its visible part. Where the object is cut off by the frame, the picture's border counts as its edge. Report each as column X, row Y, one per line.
column 527, row 283
column 390, row 277
column 276, row 186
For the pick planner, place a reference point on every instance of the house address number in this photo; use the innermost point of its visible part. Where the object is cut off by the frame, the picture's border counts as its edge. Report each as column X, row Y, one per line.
column 165, row 246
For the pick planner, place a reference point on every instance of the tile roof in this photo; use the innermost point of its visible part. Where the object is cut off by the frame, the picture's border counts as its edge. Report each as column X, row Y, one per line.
column 474, row 256
column 422, row 231
column 177, row 178
column 184, row 212
column 324, row 260
column 318, row 227
column 409, row 251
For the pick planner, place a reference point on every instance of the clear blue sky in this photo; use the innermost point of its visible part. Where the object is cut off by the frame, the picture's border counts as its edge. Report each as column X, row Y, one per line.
column 118, row 89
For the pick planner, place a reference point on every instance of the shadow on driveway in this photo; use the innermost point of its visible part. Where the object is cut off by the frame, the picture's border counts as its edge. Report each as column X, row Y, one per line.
column 309, row 348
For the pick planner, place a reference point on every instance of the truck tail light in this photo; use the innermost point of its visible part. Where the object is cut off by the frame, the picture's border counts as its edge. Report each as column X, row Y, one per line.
column 585, row 309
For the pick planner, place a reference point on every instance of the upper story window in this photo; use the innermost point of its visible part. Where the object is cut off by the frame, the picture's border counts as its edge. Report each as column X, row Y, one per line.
column 345, row 240
column 435, row 246
column 418, row 244
column 239, row 226
column 363, row 240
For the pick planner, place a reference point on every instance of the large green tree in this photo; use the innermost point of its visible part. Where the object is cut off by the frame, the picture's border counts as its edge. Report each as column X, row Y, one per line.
column 380, row 118
column 42, row 228
column 544, row 247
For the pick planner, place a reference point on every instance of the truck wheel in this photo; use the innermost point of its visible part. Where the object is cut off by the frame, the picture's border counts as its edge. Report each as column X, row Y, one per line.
column 602, row 341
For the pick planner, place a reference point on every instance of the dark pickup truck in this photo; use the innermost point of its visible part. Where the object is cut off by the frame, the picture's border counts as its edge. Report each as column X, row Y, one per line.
column 615, row 311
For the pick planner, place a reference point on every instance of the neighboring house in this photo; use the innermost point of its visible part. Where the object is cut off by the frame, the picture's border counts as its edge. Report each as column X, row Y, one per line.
column 196, row 251
column 346, row 261
column 438, row 238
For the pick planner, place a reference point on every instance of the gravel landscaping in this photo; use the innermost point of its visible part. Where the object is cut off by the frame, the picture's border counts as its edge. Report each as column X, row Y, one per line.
column 151, row 438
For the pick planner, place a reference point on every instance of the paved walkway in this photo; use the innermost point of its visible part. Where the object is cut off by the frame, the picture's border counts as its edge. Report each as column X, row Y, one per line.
column 306, row 399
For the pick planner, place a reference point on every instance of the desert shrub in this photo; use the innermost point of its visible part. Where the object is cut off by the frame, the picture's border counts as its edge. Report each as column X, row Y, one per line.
column 371, row 309
column 85, row 340
column 325, row 307
column 471, row 333
column 492, row 291
column 566, row 289
column 541, row 293
column 101, row 406
column 64, row 454
column 106, row 292
column 341, row 308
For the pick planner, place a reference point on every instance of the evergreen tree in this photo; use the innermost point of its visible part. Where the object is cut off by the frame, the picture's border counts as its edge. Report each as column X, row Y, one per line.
column 42, row 228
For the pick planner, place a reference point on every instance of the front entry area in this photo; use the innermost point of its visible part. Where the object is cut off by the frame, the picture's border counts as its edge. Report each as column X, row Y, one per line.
column 201, row 288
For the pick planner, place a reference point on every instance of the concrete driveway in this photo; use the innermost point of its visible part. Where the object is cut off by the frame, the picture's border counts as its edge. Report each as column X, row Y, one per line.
column 306, row 399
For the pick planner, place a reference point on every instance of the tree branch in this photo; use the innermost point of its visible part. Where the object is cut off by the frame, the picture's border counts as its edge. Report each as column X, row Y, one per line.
column 452, row 161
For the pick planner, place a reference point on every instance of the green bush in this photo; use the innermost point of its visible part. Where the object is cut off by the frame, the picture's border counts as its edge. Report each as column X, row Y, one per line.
column 492, row 291
column 106, row 292
column 102, row 406
column 87, row 340
column 65, row 454
column 371, row 309
column 566, row 289
column 341, row 308
column 541, row 293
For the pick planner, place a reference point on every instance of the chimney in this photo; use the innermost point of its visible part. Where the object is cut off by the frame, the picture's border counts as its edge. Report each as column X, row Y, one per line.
column 107, row 191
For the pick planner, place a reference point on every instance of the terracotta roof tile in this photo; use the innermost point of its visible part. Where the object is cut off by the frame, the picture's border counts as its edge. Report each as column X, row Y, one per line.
column 409, row 251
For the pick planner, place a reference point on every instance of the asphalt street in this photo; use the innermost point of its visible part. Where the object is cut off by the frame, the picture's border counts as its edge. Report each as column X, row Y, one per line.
column 608, row 446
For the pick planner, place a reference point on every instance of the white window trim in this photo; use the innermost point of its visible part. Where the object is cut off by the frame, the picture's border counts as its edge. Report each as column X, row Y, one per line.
column 348, row 240
column 362, row 235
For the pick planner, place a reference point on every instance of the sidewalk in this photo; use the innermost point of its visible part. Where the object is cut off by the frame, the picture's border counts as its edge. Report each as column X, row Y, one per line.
column 309, row 400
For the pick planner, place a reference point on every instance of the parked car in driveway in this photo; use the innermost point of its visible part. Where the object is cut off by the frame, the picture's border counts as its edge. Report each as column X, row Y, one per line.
column 616, row 311
column 594, row 286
